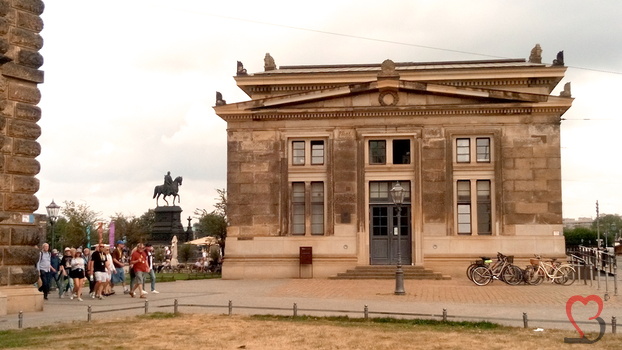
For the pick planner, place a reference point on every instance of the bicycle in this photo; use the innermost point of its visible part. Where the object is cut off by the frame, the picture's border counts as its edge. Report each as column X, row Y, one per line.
column 482, row 262
column 554, row 271
column 502, row 269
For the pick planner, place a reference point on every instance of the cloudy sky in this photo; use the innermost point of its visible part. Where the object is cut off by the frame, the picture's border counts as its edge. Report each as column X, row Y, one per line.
column 129, row 85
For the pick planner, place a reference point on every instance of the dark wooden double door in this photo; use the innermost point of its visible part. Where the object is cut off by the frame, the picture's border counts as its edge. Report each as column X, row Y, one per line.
column 384, row 238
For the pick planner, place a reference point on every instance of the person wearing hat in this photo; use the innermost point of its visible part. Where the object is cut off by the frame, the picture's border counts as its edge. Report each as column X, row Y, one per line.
column 77, row 273
column 65, row 267
column 117, row 261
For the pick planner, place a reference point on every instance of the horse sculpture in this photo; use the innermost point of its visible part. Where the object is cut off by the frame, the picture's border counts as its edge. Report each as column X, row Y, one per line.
column 168, row 191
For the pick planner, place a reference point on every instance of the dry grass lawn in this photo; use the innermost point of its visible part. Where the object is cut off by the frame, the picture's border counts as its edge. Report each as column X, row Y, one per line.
column 200, row 331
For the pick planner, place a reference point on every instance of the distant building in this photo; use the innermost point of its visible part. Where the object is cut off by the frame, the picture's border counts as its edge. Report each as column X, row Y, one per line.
column 580, row 222
column 313, row 155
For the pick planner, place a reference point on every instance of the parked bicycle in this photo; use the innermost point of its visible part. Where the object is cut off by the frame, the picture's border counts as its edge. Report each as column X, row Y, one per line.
column 484, row 260
column 552, row 270
column 503, row 269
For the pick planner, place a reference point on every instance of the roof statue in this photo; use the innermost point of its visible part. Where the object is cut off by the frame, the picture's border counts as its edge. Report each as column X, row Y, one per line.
column 536, row 54
column 268, row 63
column 219, row 100
column 559, row 61
column 169, row 188
column 566, row 91
column 241, row 70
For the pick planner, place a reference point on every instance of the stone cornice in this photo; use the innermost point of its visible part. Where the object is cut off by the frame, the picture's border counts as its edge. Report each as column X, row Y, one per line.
column 443, row 111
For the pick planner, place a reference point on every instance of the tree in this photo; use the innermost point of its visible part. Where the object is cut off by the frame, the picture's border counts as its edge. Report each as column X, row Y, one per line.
column 609, row 226
column 78, row 217
column 214, row 223
column 132, row 229
column 580, row 236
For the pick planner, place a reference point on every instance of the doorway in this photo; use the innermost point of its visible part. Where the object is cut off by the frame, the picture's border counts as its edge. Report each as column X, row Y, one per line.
column 383, row 231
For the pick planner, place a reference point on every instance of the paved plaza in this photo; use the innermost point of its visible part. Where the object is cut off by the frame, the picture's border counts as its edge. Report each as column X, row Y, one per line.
column 462, row 299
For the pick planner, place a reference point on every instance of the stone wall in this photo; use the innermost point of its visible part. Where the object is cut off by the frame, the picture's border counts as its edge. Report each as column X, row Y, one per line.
column 20, row 60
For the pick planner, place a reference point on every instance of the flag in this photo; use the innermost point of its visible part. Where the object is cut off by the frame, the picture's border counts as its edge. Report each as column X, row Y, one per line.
column 111, row 234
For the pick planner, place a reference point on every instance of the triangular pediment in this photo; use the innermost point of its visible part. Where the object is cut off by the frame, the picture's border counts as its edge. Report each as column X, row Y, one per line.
column 387, row 93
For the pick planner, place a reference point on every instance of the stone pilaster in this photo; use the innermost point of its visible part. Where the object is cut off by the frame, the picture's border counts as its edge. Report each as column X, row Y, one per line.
column 20, row 42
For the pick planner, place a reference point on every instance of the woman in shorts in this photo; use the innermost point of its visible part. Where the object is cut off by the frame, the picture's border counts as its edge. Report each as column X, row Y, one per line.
column 77, row 274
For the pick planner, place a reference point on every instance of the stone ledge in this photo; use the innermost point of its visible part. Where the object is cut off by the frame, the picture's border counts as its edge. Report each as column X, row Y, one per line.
column 20, row 298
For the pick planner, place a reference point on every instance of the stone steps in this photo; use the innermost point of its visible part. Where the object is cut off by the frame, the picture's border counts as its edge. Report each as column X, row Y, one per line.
column 376, row 272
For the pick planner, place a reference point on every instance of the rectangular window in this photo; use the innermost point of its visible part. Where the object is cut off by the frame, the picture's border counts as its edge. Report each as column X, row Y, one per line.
column 463, row 150
column 380, row 191
column 298, row 152
column 464, row 207
column 484, row 208
column 377, row 152
column 483, row 149
column 317, row 208
column 298, row 208
column 317, row 152
column 401, row 151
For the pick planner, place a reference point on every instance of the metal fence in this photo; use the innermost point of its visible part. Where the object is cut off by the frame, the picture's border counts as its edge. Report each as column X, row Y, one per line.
column 365, row 313
column 593, row 263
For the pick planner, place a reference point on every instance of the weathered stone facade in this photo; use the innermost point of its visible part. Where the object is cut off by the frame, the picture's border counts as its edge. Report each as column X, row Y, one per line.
column 312, row 155
column 20, row 42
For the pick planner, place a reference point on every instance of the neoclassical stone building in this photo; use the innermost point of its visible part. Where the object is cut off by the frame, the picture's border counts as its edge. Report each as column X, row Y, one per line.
column 313, row 155
column 20, row 42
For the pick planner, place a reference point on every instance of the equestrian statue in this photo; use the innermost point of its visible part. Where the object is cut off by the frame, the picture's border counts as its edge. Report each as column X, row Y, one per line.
column 169, row 188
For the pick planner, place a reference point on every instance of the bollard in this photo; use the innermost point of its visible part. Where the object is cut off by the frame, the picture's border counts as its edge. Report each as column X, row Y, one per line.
column 88, row 317
column 175, row 305
column 366, row 312
column 295, row 310
column 230, row 308
column 444, row 315
column 146, row 306
column 613, row 324
column 525, row 320
column 20, row 320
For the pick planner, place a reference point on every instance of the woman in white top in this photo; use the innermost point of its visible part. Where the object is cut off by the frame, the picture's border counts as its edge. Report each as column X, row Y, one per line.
column 77, row 273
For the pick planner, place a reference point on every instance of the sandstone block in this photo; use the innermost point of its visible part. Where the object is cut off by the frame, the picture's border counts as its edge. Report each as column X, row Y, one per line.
column 19, row 255
column 4, row 45
column 30, row 58
column 24, row 92
column 4, row 26
column 29, row 21
column 26, row 147
column 24, row 129
column 23, row 165
column 26, row 38
column 21, row 202
column 25, row 184
column 531, row 208
column 4, row 7
column 19, row 235
column 34, row 6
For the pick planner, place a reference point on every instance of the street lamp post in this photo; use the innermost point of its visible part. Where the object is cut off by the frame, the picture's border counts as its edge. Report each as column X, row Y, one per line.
column 397, row 194
column 53, row 210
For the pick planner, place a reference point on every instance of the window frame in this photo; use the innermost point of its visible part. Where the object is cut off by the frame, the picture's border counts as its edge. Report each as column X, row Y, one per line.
column 308, row 208
column 386, row 156
column 303, row 152
column 472, row 153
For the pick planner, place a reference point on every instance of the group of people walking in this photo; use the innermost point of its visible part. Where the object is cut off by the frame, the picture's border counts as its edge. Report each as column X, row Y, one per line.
column 101, row 267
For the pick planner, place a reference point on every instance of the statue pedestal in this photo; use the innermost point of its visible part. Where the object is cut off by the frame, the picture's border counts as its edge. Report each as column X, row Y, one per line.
column 167, row 224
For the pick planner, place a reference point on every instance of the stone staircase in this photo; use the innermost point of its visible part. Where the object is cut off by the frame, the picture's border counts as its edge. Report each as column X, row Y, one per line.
column 377, row 272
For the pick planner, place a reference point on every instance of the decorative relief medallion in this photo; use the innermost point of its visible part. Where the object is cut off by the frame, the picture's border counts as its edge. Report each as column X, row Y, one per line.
column 388, row 98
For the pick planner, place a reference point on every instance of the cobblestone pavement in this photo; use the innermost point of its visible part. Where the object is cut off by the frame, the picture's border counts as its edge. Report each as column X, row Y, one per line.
column 462, row 299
